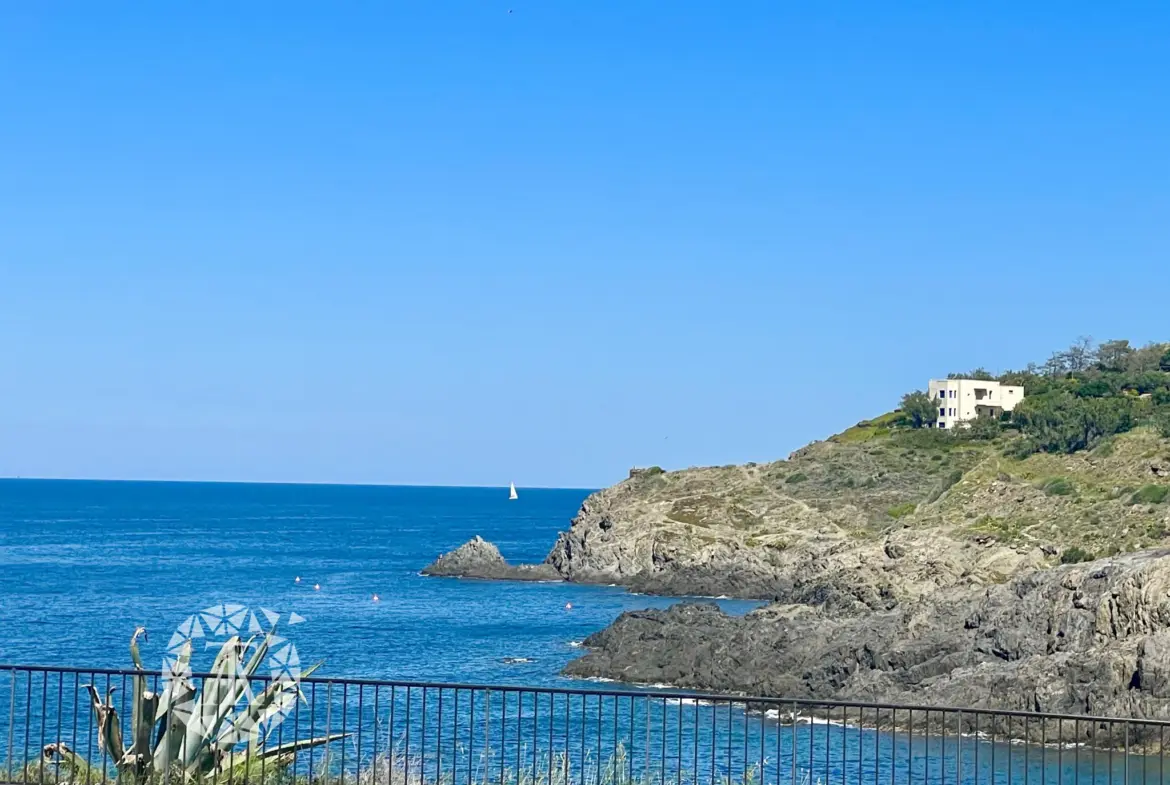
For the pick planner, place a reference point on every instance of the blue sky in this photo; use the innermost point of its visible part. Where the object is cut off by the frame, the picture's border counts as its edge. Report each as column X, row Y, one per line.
column 444, row 243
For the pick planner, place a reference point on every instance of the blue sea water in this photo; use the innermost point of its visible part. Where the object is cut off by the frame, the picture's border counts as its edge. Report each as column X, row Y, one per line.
column 84, row 562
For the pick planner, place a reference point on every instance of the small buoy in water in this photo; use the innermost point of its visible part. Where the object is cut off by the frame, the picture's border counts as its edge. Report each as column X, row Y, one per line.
column 568, row 606
column 316, row 587
column 376, row 598
column 297, row 579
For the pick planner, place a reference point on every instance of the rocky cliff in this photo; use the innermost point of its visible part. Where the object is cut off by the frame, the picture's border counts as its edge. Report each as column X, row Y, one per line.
column 1091, row 638
column 868, row 519
column 902, row 566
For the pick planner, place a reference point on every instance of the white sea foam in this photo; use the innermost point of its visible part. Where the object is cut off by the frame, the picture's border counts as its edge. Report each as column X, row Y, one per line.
column 688, row 702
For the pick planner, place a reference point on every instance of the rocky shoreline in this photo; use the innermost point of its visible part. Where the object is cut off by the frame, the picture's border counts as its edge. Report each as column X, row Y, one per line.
column 1091, row 638
column 916, row 571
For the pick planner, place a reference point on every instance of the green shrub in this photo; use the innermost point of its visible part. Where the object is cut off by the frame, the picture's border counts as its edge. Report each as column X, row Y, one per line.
column 795, row 478
column 1079, row 397
column 1075, row 555
column 1058, row 486
column 1150, row 494
column 1105, row 448
column 1162, row 423
column 901, row 510
column 1063, row 423
column 1097, row 388
column 918, row 410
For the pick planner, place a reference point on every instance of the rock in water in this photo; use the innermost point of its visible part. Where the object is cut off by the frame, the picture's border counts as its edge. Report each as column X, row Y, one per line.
column 478, row 558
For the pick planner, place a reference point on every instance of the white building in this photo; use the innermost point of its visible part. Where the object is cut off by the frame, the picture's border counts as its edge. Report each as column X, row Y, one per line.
column 959, row 400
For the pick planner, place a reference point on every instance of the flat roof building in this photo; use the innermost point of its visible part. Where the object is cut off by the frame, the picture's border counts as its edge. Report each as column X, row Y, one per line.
column 961, row 400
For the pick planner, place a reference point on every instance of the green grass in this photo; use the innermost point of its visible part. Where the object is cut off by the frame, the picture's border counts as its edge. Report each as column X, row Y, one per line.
column 867, row 430
column 1105, row 448
column 1150, row 494
column 901, row 510
column 1076, row 555
column 1058, row 486
column 1003, row 529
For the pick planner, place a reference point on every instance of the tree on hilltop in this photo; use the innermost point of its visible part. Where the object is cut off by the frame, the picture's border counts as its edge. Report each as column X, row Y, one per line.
column 1112, row 355
column 918, row 410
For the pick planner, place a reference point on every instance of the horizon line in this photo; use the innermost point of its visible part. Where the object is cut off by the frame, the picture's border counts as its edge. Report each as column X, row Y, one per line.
column 291, row 482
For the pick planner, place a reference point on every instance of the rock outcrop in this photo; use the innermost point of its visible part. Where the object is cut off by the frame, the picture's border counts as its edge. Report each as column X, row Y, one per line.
column 1090, row 638
column 850, row 524
column 903, row 567
column 478, row 558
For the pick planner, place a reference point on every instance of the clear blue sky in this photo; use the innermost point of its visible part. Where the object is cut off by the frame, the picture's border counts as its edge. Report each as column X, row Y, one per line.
column 438, row 242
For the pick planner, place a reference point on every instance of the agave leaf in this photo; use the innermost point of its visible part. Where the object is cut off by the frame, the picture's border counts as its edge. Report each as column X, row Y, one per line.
column 143, row 727
column 78, row 766
column 174, row 710
column 221, row 691
column 109, row 727
column 178, row 685
column 302, row 744
column 173, row 728
column 225, row 671
column 279, row 696
column 144, row 708
column 260, row 653
column 134, row 655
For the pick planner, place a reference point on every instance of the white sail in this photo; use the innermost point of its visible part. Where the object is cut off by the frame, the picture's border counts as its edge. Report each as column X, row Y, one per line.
column 512, row 491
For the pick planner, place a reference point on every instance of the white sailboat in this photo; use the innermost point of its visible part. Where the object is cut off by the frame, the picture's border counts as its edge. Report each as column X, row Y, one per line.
column 512, row 491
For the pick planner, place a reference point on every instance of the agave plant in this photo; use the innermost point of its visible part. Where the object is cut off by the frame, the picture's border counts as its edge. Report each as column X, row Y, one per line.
column 182, row 733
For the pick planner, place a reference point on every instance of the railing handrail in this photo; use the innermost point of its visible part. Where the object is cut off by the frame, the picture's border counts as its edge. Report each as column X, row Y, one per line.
column 671, row 694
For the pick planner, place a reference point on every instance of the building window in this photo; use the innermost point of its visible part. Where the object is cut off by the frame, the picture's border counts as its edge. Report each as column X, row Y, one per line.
column 942, row 425
column 952, row 393
column 942, row 393
column 952, row 412
column 942, row 412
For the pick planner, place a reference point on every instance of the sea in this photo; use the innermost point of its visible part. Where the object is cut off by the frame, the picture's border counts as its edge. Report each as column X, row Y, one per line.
column 83, row 563
column 336, row 568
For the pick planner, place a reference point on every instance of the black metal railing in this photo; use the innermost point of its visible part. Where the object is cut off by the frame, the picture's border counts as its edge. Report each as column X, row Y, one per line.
column 392, row 733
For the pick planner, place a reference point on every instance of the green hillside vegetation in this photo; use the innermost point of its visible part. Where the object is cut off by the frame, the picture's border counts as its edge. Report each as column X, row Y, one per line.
column 1076, row 399
column 1083, row 462
column 892, row 509
column 1080, row 470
